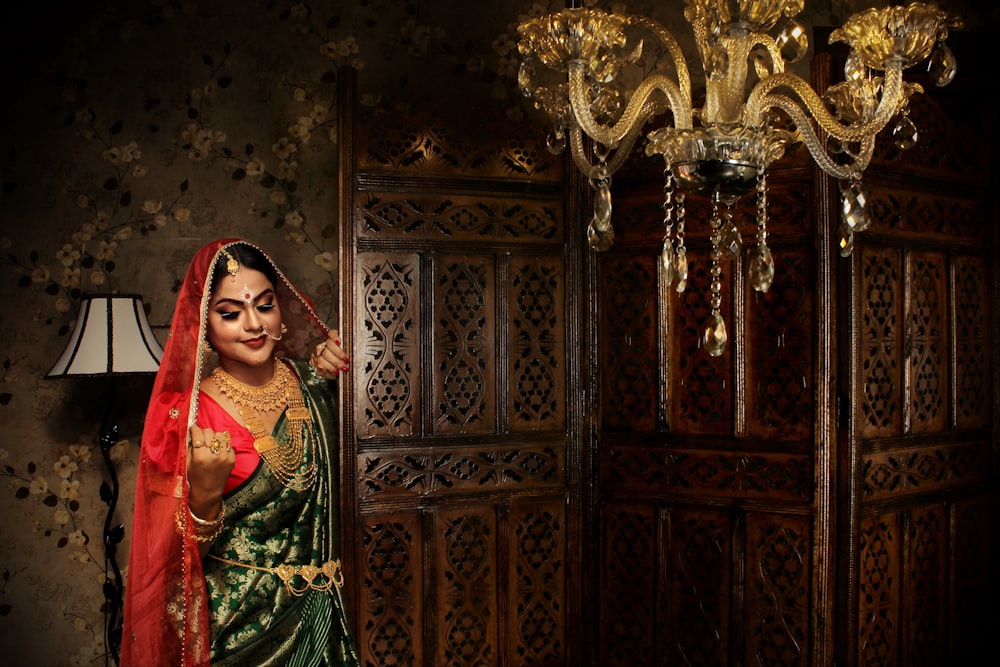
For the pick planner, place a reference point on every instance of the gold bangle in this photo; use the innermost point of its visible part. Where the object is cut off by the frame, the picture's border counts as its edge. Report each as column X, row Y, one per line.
column 204, row 531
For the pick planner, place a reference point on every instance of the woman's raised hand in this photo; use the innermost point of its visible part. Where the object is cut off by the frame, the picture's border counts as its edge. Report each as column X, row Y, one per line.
column 329, row 357
column 210, row 460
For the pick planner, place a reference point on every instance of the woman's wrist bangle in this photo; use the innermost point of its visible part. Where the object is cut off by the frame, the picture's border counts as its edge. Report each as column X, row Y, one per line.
column 204, row 530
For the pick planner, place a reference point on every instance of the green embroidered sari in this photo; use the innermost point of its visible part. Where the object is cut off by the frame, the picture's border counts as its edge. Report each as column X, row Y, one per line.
column 255, row 618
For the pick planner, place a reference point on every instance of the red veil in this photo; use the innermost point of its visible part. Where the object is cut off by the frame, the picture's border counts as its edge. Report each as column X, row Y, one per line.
column 166, row 609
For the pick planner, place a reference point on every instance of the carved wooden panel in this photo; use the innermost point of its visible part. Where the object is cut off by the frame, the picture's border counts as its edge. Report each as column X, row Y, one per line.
column 925, row 583
column 879, row 580
column 780, row 342
column 927, row 342
column 879, row 328
column 389, row 400
column 900, row 471
column 630, row 361
column 973, row 380
column 486, row 572
column 778, row 589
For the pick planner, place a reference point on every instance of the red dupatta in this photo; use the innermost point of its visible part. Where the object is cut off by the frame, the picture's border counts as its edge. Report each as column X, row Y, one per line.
column 166, row 609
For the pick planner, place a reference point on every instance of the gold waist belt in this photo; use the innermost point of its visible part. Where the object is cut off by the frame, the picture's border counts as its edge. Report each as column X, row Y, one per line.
column 317, row 578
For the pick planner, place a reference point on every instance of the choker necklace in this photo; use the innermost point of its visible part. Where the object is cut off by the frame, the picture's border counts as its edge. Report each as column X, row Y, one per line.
column 282, row 390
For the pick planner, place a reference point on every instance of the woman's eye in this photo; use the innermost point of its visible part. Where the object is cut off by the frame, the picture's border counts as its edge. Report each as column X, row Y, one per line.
column 231, row 315
column 265, row 306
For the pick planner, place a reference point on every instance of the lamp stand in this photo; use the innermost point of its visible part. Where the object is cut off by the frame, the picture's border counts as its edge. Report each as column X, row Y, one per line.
column 113, row 535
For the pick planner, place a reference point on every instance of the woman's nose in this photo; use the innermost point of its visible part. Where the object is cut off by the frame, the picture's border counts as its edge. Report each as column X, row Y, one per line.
column 252, row 320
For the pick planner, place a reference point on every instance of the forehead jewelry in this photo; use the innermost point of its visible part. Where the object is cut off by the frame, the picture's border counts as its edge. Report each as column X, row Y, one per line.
column 248, row 295
column 232, row 266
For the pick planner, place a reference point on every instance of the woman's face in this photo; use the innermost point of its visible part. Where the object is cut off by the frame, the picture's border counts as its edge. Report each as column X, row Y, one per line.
column 241, row 311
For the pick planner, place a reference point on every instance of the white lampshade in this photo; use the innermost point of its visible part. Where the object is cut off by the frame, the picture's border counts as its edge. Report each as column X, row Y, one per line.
column 111, row 337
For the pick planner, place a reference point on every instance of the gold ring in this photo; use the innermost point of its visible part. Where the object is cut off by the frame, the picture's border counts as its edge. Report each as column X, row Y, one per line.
column 220, row 442
column 196, row 444
column 320, row 348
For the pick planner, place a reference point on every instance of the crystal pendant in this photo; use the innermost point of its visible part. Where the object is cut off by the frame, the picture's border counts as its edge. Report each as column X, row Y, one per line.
column 793, row 41
column 854, row 68
column 669, row 261
column 525, row 75
column 600, row 238
column 762, row 268
column 845, row 239
column 715, row 335
column 904, row 134
column 854, row 207
column 717, row 63
column 730, row 243
column 681, row 270
column 602, row 205
column 556, row 141
column 942, row 65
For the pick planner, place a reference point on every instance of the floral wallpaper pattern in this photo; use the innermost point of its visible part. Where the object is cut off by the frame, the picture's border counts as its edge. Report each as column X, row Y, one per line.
column 131, row 134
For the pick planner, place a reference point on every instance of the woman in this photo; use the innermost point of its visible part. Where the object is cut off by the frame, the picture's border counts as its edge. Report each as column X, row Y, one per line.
column 234, row 552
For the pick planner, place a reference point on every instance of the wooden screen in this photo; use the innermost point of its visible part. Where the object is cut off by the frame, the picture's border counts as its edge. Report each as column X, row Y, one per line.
column 460, row 441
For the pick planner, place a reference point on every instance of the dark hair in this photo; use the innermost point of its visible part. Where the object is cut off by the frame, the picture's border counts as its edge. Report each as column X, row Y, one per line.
column 249, row 257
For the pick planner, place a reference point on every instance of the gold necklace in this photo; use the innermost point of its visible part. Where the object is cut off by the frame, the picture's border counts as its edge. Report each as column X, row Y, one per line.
column 285, row 462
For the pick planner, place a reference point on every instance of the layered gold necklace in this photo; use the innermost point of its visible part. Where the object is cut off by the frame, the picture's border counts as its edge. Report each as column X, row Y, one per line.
column 282, row 390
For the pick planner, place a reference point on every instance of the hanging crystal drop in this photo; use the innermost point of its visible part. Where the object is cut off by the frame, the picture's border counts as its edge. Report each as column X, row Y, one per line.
column 792, row 41
column 854, row 207
column 556, row 141
column 762, row 269
column 904, row 134
column 715, row 334
column 600, row 233
column 845, row 240
column 730, row 243
column 668, row 260
column 525, row 76
column 680, row 270
column 854, row 67
column 942, row 65
column 717, row 62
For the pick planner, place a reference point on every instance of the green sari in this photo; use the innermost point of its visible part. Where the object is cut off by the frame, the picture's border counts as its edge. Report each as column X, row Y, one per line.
column 270, row 532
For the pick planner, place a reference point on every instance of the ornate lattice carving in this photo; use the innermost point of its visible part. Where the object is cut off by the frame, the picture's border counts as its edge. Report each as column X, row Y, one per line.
column 929, row 215
column 778, row 590
column 629, row 587
column 537, row 344
column 972, row 380
column 392, row 584
column 878, row 591
column 924, row 583
column 389, row 293
column 699, row 473
column 387, row 215
column 902, row 471
column 450, row 140
column 467, row 593
column 464, row 365
column 438, row 472
column 879, row 346
column 538, row 577
column 779, row 357
column 927, row 343
column 699, row 587
column 628, row 321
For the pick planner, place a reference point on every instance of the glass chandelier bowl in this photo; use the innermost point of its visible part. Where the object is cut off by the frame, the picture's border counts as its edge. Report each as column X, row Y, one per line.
column 586, row 69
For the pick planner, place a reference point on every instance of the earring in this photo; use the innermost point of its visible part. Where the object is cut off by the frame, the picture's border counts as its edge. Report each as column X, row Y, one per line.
column 206, row 347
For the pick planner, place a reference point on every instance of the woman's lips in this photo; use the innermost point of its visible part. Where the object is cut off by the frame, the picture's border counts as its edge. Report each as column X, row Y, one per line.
column 255, row 342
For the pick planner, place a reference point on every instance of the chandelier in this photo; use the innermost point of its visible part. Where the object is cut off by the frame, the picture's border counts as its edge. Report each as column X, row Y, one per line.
column 574, row 65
